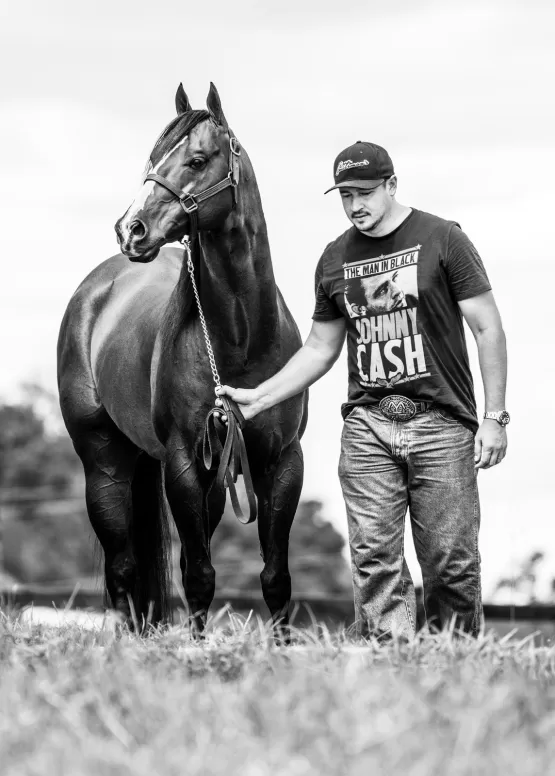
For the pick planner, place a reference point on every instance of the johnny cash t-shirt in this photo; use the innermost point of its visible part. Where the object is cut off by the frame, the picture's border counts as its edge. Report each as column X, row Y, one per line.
column 399, row 295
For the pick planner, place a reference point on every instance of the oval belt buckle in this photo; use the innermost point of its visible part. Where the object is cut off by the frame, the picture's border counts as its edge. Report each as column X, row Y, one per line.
column 397, row 408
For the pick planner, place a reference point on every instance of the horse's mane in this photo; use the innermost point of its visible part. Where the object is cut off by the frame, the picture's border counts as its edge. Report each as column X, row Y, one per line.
column 177, row 129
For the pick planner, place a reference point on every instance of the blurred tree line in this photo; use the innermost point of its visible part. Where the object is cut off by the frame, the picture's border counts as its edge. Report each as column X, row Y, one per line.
column 45, row 533
column 46, row 538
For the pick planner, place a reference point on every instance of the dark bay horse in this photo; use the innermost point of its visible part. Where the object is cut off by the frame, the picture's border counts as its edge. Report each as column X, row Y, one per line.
column 135, row 381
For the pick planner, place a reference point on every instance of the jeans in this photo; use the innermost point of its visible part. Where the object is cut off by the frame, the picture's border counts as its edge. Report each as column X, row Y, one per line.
column 426, row 464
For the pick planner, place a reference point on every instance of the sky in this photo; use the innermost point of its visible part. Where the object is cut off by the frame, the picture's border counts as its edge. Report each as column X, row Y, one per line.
column 457, row 92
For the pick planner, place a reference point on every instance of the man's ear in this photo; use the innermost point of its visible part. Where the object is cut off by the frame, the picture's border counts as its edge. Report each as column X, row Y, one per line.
column 215, row 107
column 182, row 104
column 392, row 185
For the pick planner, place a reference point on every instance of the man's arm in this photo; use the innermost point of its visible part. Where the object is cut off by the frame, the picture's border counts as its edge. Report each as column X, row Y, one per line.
column 312, row 361
column 482, row 315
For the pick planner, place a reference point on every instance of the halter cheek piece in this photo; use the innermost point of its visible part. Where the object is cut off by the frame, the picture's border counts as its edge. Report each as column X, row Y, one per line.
column 230, row 458
column 189, row 201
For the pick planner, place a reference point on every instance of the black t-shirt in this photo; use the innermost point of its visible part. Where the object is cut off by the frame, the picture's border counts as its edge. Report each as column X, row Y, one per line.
column 399, row 294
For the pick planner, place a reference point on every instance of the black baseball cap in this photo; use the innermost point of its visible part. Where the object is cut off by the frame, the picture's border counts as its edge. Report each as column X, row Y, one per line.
column 362, row 166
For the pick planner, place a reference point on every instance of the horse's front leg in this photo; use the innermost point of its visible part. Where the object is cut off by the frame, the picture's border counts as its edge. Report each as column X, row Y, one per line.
column 278, row 495
column 185, row 493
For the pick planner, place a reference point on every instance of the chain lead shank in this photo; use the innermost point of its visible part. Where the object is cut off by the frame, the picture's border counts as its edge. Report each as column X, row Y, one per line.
column 211, row 358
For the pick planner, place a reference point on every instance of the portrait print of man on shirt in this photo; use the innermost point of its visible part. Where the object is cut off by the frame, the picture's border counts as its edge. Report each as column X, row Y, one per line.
column 381, row 293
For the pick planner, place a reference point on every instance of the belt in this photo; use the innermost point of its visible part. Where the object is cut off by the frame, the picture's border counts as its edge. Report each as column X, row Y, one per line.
column 402, row 408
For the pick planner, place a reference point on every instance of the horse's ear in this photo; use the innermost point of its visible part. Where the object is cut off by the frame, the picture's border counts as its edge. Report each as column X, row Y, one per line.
column 182, row 104
column 215, row 106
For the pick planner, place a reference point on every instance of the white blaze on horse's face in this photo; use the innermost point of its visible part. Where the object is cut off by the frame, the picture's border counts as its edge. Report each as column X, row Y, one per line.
column 140, row 205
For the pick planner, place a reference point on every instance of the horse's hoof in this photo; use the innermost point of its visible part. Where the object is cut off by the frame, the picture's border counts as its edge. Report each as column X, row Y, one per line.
column 197, row 624
column 282, row 634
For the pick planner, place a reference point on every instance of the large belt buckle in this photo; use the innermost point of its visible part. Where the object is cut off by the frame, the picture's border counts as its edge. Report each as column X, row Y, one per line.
column 397, row 408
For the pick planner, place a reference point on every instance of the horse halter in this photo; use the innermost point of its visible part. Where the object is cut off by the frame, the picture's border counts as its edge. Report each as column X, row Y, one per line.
column 190, row 201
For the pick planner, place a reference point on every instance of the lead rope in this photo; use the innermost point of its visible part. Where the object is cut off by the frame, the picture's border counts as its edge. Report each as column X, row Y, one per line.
column 233, row 453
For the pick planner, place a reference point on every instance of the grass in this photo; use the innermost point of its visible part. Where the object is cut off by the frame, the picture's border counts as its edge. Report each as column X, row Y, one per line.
column 80, row 702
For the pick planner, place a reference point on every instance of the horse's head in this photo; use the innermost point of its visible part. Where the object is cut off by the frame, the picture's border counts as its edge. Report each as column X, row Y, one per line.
column 194, row 153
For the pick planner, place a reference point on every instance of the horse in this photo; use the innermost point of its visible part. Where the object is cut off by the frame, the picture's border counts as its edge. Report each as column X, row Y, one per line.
column 136, row 383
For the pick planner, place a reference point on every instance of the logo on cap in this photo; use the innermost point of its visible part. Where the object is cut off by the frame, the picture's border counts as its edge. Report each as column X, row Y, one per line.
column 348, row 163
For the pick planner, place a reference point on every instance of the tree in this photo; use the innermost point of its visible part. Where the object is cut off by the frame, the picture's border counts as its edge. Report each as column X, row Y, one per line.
column 521, row 587
column 45, row 536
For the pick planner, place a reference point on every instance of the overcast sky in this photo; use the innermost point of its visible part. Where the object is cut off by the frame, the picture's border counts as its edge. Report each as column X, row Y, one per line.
column 457, row 92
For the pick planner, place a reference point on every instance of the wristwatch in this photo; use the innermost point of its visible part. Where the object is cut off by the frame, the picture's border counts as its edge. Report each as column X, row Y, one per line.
column 502, row 417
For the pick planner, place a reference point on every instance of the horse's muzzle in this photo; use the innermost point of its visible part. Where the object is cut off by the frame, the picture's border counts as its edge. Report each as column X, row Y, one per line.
column 133, row 244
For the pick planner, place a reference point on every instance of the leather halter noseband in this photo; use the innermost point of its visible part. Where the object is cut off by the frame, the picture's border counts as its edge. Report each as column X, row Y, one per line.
column 190, row 201
column 232, row 454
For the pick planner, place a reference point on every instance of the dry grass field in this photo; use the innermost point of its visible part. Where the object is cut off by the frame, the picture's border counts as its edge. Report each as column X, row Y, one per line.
column 76, row 702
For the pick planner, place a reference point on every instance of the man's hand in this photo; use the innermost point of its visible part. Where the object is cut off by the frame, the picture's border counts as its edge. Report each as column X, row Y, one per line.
column 490, row 444
column 248, row 399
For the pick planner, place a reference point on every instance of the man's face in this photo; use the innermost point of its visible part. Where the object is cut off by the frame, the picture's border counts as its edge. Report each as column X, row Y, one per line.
column 366, row 208
column 383, row 294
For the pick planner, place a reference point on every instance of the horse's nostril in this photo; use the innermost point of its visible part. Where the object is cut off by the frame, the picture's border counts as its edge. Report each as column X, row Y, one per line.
column 137, row 229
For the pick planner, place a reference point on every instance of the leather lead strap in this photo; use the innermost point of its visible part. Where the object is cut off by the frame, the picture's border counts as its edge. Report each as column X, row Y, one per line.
column 232, row 455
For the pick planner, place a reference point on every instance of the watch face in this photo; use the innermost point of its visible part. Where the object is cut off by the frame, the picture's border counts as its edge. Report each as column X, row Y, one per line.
column 504, row 418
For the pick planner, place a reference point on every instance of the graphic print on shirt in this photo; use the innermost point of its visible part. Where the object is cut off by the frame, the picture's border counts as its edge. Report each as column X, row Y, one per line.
column 381, row 296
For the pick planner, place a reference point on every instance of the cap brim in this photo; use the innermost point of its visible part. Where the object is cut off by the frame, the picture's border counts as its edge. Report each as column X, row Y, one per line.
column 356, row 184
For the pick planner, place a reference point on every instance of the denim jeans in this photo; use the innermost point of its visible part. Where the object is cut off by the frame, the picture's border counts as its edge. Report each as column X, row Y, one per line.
column 426, row 464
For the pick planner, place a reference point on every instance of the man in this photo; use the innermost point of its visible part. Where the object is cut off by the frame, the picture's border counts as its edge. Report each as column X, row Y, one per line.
column 411, row 437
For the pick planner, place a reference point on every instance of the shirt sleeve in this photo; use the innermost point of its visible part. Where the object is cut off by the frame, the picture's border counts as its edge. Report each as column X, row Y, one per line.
column 325, row 308
column 465, row 270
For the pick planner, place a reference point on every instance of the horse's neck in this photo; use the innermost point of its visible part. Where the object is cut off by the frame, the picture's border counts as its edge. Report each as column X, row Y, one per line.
column 237, row 286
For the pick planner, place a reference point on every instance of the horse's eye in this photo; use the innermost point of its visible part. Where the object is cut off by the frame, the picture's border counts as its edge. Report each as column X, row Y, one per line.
column 197, row 164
